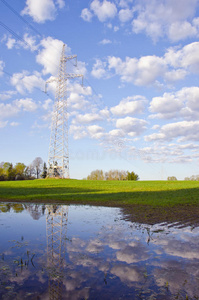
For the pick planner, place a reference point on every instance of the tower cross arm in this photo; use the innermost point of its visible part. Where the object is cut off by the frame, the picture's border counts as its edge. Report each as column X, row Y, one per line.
column 73, row 75
column 49, row 81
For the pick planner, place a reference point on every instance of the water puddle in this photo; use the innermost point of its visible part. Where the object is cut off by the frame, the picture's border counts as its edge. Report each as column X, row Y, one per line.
column 85, row 252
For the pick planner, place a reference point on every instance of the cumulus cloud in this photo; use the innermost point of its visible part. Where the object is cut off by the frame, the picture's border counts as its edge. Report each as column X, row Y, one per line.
column 42, row 11
column 24, row 82
column 183, row 103
column 77, row 131
column 49, row 56
column 125, row 15
column 129, row 106
column 95, row 131
column 105, row 42
column 160, row 18
column 185, row 130
column 98, row 70
column 87, row 118
column 28, row 42
column 143, row 71
column 1, row 67
column 77, row 101
column 26, row 104
column 10, row 43
column 154, row 70
column 6, row 95
column 181, row 30
column 186, row 58
column 131, row 126
column 86, row 15
column 103, row 10
column 8, row 110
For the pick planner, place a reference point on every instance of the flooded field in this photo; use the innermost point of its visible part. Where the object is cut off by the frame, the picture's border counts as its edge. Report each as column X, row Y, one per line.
column 87, row 252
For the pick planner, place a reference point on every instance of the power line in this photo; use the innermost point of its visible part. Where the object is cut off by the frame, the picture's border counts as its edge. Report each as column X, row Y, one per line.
column 37, row 32
column 19, row 16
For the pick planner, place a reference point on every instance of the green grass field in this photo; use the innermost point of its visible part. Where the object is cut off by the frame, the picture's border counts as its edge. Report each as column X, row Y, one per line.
column 112, row 193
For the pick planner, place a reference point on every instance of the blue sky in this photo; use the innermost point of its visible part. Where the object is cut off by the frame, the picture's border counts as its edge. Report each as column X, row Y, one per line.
column 139, row 107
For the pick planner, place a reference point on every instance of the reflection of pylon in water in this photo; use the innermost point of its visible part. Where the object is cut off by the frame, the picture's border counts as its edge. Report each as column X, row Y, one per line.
column 56, row 226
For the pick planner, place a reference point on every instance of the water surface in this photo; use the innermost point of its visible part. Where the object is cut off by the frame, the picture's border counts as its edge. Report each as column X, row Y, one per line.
column 85, row 252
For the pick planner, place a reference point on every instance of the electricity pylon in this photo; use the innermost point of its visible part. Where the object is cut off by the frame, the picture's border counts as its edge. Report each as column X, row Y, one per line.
column 58, row 158
column 56, row 227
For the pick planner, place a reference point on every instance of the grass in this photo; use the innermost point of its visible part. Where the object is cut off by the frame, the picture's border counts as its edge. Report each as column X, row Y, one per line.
column 112, row 193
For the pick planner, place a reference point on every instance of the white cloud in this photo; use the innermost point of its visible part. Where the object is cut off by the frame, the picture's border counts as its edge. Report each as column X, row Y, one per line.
column 86, row 15
column 125, row 15
column 78, row 132
column 8, row 110
column 14, row 124
column 6, row 95
column 188, row 131
column 1, row 67
column 98, row 70
column 181, row 30
column 77, row 101
column 183, row 103
column 143, row 71
column 60, row 3
column 159, row 18
column 10, row 43
column 129, row 106
column 87, row 118
column 173, row 66
column 42, row 11
column 186, row 58
column 103, row 10
column 175, row 75
column 3, row 124
column 28, row 42
column 25, row 82
column 92, row 129
column 47, row 104
column 26, row 104
column 49, row 56
column 131, row 126
column 105, row 42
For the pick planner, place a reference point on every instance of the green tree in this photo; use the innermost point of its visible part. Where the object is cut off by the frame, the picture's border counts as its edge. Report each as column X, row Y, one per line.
column 171, row 178
column 132, row 176
column 44, row 173
column 20, row 170
column 9, row 171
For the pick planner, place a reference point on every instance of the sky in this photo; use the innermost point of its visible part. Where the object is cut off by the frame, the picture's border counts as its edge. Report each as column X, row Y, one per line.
column 138, row 109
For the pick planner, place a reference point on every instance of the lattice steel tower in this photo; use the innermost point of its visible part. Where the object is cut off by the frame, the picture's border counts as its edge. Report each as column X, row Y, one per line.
column 56, row 231
column 58, row 158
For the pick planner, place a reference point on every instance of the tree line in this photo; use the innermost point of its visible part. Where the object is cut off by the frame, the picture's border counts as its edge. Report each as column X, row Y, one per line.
column 19, row 171
column 112, row 175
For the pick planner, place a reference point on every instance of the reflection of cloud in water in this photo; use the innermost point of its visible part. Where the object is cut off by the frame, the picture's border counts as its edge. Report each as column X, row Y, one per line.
column 133, row 254
column 95, row 246
column 128, row 274
column 182, row 249
column 178, row 276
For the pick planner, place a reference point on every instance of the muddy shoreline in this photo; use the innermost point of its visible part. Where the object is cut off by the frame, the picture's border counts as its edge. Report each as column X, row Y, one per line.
column 179, row 215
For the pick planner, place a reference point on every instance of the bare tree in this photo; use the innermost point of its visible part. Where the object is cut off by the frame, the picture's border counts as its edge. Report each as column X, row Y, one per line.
column 37, row 165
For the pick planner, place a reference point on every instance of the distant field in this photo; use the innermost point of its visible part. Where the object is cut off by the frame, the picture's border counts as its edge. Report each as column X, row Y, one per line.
column 113, row 193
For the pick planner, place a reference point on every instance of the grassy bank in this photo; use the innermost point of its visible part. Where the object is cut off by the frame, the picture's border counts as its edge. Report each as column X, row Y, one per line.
column 150, row 193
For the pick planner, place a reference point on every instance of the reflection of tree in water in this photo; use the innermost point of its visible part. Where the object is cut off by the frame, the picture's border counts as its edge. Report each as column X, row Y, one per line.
column 56, row 226
column 36, row 211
